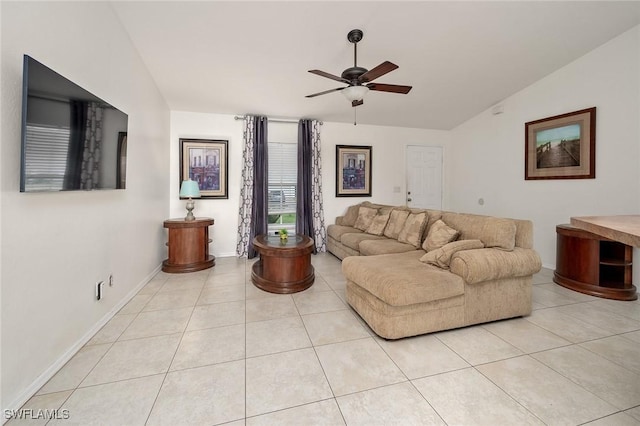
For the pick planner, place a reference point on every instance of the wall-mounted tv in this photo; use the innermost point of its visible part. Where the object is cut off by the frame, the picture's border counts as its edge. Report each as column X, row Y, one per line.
column 71, row 139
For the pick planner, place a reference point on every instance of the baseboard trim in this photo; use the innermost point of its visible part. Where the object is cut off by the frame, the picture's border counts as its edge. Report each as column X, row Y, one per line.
column 43, row 378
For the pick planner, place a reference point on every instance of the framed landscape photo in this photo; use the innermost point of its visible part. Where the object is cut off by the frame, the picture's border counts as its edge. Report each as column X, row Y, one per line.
column 206, row 162
column 353, row 171
column 561, row 147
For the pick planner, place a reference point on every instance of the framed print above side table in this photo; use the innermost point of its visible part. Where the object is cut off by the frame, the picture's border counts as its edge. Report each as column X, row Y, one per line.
column 353, row 171
column 206, row 162
column 561, row 147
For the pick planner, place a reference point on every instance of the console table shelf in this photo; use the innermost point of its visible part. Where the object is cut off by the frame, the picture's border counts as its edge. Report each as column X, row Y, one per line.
column 593, row 264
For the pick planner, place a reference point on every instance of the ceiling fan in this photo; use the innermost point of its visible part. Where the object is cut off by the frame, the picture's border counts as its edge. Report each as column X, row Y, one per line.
column 360, row 79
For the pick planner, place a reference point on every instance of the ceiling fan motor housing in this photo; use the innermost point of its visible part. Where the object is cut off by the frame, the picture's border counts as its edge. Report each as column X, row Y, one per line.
column 353, row 73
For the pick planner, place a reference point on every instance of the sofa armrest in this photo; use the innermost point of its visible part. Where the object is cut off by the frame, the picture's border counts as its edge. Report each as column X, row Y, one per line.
column 339, row 220
column 475, row 266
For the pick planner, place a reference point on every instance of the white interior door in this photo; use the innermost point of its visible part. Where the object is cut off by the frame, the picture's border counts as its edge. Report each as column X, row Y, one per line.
column 424, row 177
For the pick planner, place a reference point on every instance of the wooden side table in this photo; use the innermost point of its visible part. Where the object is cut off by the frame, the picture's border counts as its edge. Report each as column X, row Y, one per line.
column 284, row 267
column 188, row 245
column 593, row 264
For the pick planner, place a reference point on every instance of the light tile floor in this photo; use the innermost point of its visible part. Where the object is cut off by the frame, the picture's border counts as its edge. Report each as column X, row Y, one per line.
column 209, row 348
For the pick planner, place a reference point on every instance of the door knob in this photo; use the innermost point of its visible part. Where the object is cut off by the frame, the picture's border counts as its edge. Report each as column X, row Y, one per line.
column 409, row 199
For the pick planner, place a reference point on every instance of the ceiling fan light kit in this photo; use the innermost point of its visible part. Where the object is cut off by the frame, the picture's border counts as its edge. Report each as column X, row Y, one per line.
column 360, row 79
column 355, row 93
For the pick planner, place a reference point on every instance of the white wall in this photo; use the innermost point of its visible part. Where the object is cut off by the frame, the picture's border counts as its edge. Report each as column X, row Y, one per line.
column 388, row 155
column 487, row 152
column 223, row 211
column 55, row 246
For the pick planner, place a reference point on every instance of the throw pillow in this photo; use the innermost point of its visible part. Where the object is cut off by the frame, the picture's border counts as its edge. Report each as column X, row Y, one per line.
column 378, row 223
column 442, row 257
column 350, row 217
column 365, row 217
column 439, row 234
column 396, row 223
column 413, row 228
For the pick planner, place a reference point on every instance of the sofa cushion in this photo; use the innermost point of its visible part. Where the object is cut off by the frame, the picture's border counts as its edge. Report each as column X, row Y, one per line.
column 352, row 240
column 396, row 222
column 442, row 256
column 385, row 246
column 413, row 228
column 439, row 234
column 401, row 279
column 365, row 217
column 379, row 222
column 337, row 231
column 492, row 231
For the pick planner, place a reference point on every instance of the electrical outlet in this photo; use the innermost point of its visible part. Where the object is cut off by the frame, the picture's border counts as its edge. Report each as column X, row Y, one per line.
column 99, row 285
column 110, row 280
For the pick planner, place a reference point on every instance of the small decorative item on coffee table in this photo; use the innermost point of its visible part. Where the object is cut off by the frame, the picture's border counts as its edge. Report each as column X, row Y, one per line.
column 285, row 265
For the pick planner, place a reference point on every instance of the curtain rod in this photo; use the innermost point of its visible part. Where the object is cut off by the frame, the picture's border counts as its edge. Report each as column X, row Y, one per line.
column 273, row 120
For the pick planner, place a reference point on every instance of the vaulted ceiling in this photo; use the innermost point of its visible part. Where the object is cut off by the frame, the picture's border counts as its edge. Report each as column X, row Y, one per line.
column 460, row 57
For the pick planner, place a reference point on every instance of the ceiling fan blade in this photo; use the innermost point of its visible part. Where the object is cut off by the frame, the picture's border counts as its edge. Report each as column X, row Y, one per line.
column 378, row 71
column 393, row 88
column 357, row 103
column 327, row 75
column 324, row 93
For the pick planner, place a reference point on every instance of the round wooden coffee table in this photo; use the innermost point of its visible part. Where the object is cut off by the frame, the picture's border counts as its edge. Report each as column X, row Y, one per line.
column 284, row 267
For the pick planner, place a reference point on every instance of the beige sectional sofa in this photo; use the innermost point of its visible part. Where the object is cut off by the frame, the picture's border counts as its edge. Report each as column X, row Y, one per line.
column 412, row 272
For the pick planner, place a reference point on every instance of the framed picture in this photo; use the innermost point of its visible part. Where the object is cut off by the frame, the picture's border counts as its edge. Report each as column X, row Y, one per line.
column 353, row 171
column 121, row 167
column 206, row 162
column 561, row 147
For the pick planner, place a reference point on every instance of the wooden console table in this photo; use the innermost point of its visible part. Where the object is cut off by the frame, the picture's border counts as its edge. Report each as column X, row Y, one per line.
column 284, row 267
column 188, row 245
column 593, row 264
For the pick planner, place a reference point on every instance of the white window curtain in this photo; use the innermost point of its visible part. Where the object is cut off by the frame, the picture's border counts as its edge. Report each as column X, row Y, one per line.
column 246, row 188
column 316, row 189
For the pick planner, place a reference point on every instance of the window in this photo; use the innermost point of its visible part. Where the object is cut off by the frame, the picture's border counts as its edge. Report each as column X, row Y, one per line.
column 282, row 192
column 46, row 157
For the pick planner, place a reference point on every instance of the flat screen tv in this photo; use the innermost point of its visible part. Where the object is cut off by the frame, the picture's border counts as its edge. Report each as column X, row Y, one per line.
column 71, row 139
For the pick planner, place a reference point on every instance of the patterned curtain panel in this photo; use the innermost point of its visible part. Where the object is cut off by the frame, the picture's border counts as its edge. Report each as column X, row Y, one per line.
column 310, row 211
column 246, row 188
column 90, row 174
column 316, row 189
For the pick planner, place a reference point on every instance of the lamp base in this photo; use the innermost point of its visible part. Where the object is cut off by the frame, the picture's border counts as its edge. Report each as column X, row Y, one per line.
column 190, row 206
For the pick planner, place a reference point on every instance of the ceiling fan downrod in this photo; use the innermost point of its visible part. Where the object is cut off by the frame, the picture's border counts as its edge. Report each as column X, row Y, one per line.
column 354, row 37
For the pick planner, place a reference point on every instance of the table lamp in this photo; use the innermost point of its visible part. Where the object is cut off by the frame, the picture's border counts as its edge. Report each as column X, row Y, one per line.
column 189, row 189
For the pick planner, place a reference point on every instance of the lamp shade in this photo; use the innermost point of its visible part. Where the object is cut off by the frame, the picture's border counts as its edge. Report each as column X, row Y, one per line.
column 355, row 93
column 189, row 189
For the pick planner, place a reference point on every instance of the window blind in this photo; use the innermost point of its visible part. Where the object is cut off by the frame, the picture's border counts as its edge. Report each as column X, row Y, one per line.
column 283, row 179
